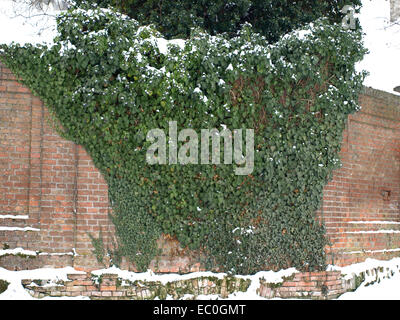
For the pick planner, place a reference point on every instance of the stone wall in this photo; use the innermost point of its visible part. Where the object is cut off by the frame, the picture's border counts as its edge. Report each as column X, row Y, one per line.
column 321, row 286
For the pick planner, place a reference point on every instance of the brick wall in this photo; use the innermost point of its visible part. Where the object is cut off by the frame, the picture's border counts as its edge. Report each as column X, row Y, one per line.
column 361, row 205
column 311, row 285
column 110, row 286
column 52, row 197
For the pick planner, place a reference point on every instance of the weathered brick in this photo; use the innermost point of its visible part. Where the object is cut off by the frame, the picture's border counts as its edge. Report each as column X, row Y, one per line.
column 76, row 277
column 49, row 177
column 108, row 288
column 76, row 288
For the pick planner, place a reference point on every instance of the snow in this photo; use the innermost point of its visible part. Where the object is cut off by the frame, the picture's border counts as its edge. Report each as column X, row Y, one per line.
column 10, row 216
column 374, row 222
column 374, row 231
column 387, row 289
column 18, row 229
column 16, row 291
column 151, row 276
column 17, row 251
column 230, row 67
column 368, row 264
column 250, row 294
column 164, row 44
column 21, row 251
column 386, row 286
column 382, row 39
column 58, row 254
column 382, row 280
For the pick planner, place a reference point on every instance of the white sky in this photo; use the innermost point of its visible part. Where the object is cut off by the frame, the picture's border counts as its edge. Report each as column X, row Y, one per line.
column 22, row 30
column 383, row 41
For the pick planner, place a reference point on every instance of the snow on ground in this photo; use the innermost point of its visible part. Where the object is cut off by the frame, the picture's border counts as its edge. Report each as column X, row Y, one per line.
column 383, row 287
column 384, row 284
column 368, row 264
column 16, row 291
column 386, row 289
column 250, row 294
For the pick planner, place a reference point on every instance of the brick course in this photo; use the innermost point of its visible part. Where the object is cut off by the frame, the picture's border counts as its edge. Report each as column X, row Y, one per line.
column 361, row 204
column 299, row 285
column 111, row 287
column 320, row 286
column 55, row 184
column 311, row 285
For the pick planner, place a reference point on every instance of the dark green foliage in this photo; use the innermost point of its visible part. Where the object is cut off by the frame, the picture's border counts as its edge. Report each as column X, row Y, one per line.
column 135, row 227
column 3, row 286
column 98, row 246
column 106, row 81
column 115, row 253
column 271, row 18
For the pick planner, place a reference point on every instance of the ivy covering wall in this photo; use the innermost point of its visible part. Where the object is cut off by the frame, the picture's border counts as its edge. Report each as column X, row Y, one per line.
column 108, row 81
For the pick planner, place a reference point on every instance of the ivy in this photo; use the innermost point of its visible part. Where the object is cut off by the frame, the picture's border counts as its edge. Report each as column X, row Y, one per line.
column 108, row 81
column 98, row 246
column 271, row 18
column 3, row 285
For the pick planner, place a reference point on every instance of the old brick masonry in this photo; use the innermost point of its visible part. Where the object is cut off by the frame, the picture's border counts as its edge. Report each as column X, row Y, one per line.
column 52, row 197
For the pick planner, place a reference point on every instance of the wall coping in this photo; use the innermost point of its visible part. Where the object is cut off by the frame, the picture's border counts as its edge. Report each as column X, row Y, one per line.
column 388, row 97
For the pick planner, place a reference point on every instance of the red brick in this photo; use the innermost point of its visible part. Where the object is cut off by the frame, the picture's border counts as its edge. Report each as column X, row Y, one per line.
column 108, row 288
column 40, row 169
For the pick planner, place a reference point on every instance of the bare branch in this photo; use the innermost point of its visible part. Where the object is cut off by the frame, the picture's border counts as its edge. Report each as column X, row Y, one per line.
column 37, row 13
